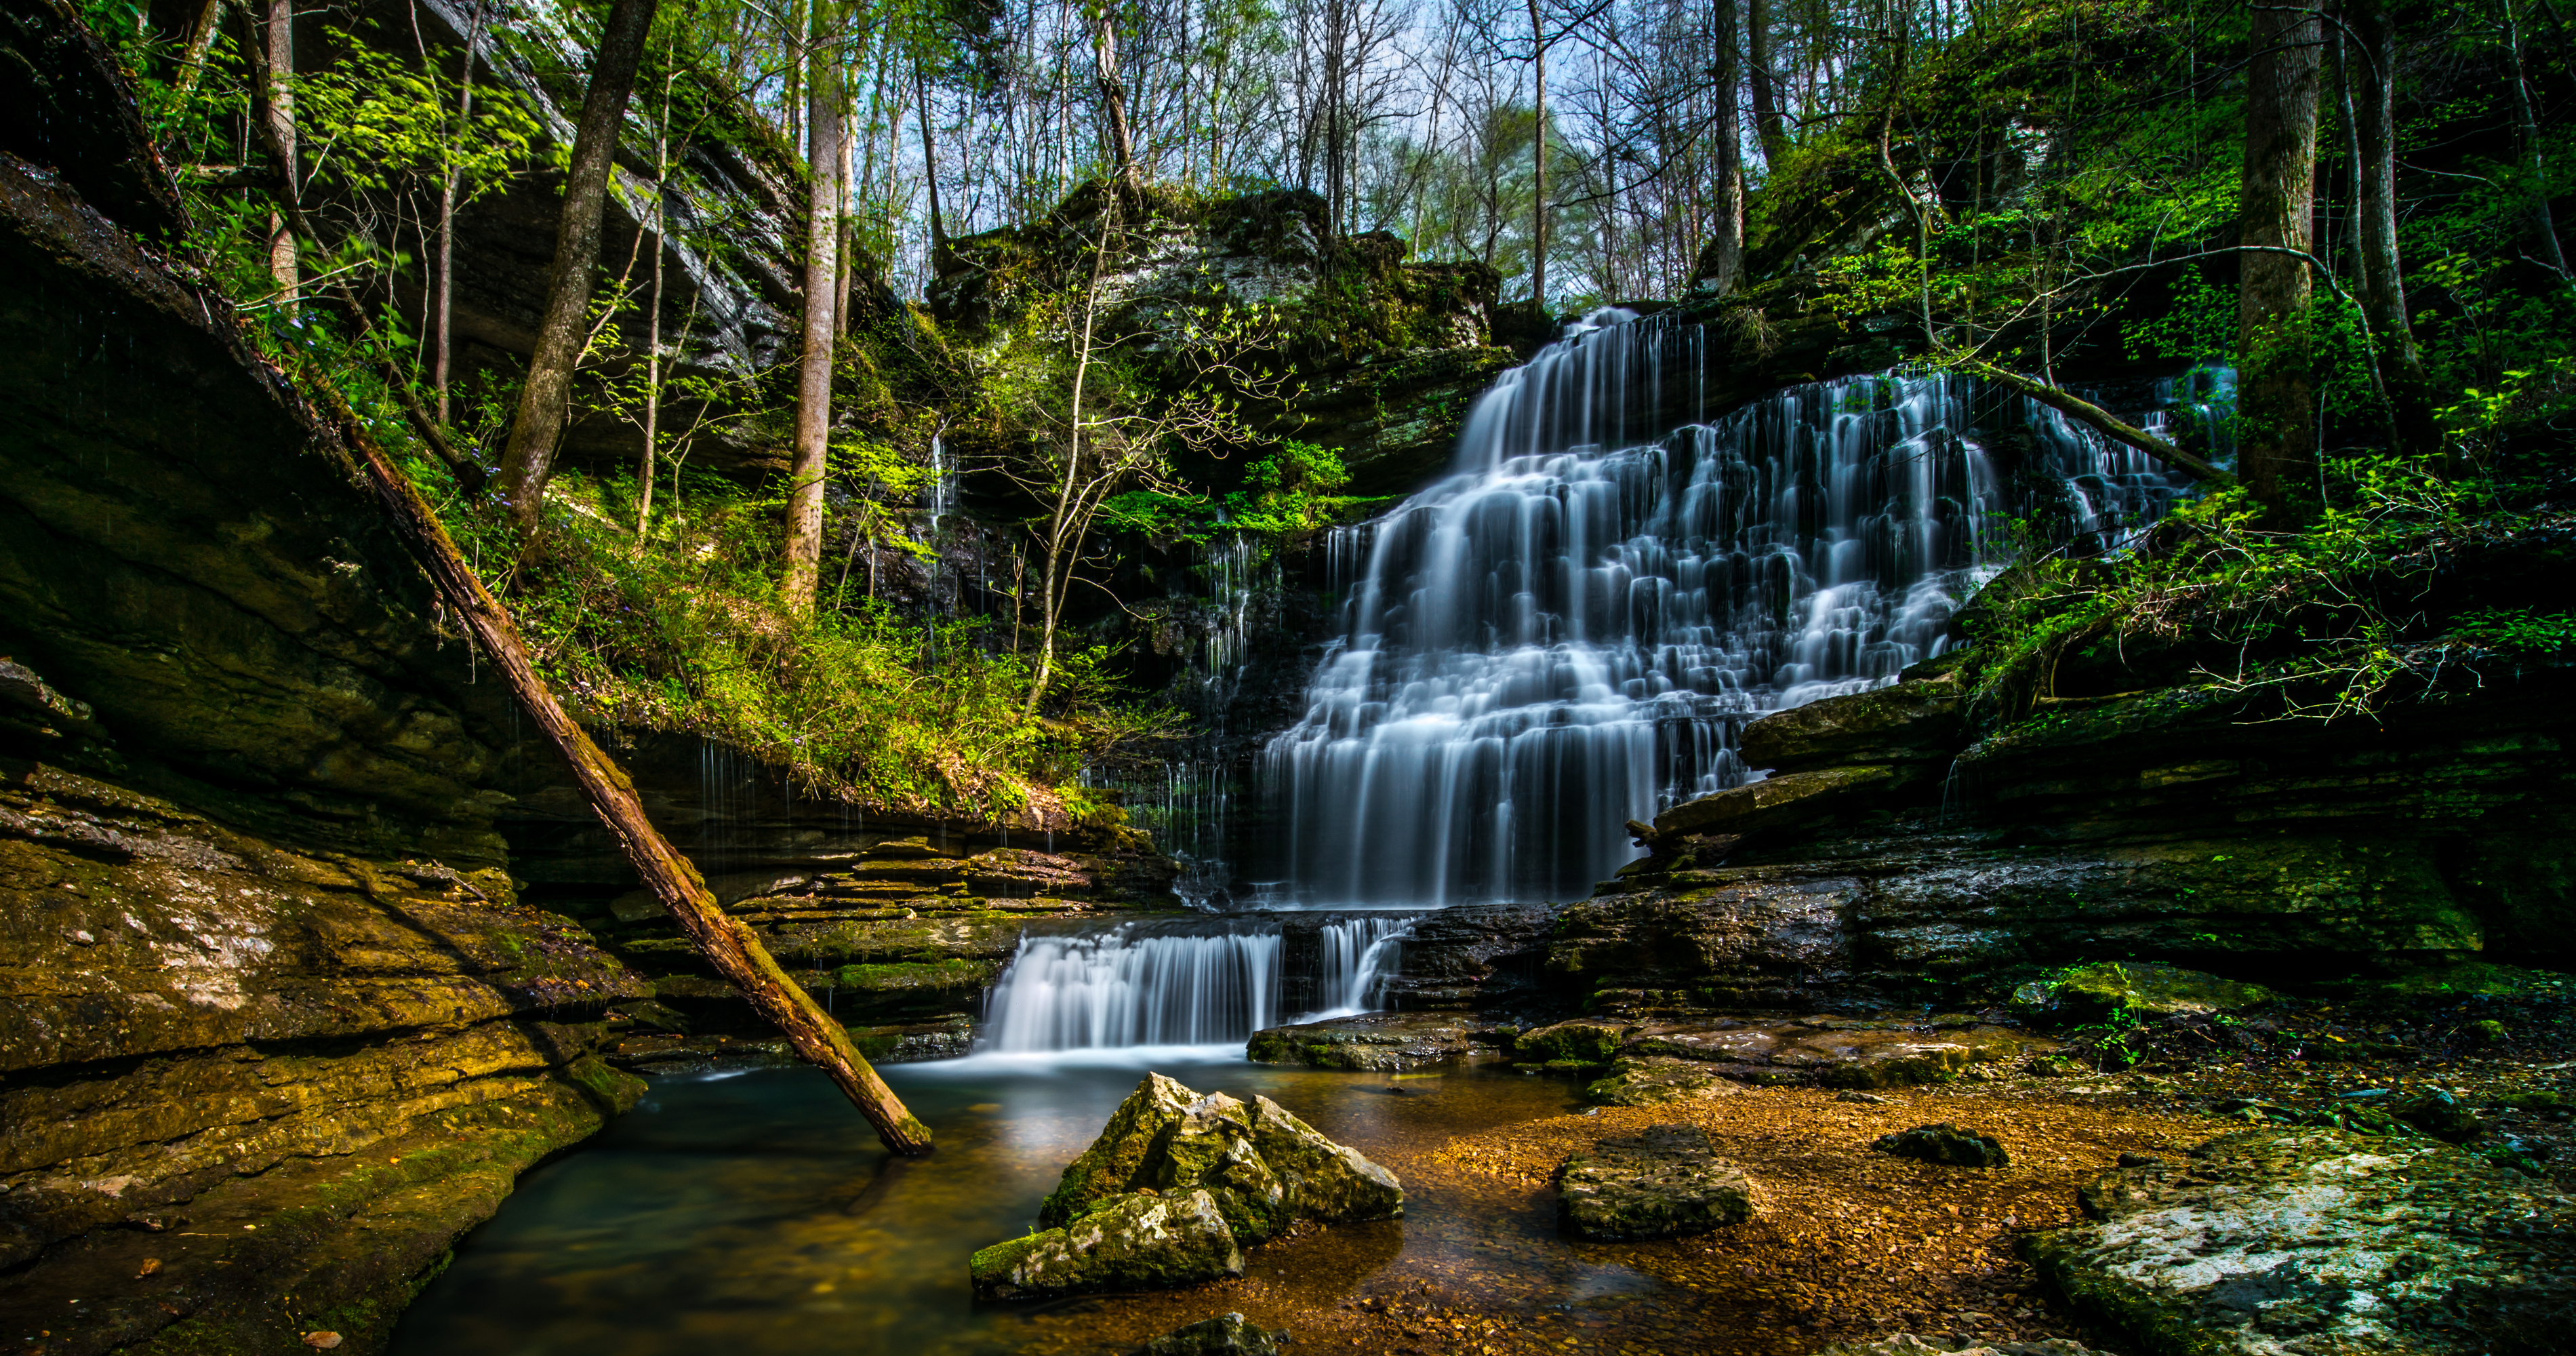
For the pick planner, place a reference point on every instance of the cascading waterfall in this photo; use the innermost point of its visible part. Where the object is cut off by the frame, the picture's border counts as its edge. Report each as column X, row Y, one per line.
column 1572, row 628
column 1148, row 984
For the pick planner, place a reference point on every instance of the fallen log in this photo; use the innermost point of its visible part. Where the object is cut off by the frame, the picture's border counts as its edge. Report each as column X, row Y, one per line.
column 727, row 943
column 2101, row 421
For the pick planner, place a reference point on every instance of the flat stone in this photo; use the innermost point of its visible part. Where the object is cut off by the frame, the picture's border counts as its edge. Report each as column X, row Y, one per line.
column 2296, row 1240
column 1663, row 1183
column 1907, row 1344
column 1655, row 1080
column 1371, row 1042
column 1139, row 1241
column 1944, row 1144
column 1917, row 721
column 1781, row 802
column 1223, row 1335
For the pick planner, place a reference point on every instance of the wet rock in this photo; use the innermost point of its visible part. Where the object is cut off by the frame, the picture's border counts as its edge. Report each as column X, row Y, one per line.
column 1139, row 1241
column 1789, row 801
column 1655, row 1080
column 2442, row 1116
column 1910, row 722
column 1582, row 1042
column 2148, row 988
column 1265, row 1167
column 1944, row 1144
column 1863, row 1098
column 1372, row 1042
column 1664, row 1183
column 1907, row 1344
column 1223, row 1335
column 2302, row 1240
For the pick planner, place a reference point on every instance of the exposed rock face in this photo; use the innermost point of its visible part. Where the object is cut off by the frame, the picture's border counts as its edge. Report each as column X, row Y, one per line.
column 2295, row 1241
column 1138, row 1241
column 1664, row 1183
column 1887, row 860
column 1267, row 1168
column 1373, row 1042
column 271, row 1011
column 1945, row 1144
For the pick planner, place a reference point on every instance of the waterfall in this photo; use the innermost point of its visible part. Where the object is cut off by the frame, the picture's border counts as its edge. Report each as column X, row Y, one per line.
column 1171, row 984
column 1572, row 628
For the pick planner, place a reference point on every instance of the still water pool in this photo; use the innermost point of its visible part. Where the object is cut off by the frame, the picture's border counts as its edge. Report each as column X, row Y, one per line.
column 753, row 1212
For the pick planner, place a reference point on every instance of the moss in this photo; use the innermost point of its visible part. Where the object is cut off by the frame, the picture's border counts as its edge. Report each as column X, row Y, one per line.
column 1001, row 1257
column 1582, row 1044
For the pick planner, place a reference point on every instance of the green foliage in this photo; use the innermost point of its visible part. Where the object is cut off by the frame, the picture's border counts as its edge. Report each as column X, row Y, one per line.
column 1290, row 492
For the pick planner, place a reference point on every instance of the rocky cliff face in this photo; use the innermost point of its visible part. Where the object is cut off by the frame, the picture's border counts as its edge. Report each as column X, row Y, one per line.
column 1893, row 857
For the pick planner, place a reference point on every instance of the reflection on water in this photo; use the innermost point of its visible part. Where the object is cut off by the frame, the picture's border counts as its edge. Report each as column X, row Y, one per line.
column 755, row 1213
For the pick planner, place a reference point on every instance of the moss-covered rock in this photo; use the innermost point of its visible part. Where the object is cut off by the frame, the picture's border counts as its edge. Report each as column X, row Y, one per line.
column 1139, row 1241
column 2089, row 993
column 1581, row 1042
column 2279, row 1240
column 1944, row 1144
column 1664, row 1183
column 1114, row 1163
column 1655, row 1080
column 1373, row 1042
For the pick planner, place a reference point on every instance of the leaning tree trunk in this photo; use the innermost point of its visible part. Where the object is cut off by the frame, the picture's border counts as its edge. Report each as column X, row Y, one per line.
column 2383, row 285
column 544, row 402
column 2276, row 396
column 814, row 373
column 727, row 942
column 1113, row 96
column 1767, row 122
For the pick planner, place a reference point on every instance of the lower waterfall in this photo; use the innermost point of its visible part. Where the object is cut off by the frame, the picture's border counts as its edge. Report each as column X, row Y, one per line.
column 1183, row 983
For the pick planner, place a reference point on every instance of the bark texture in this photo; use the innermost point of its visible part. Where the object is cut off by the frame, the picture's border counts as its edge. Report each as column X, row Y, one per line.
column 2383, row 283
column 1726, row 254
column 814, row 372
column 544, row 402
column 2276, row 207
column 1767, row 122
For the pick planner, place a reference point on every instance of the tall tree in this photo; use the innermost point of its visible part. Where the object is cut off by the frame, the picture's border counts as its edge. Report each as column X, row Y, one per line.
column 2373, row 79
column 2544, row 227
column 545, row 401
column 822, row 264
column 1768, row 124
column 1113, row 93
column 2276, row 209
column 1538, row 166
column 1726, row 245
column 444, row 304
column 278, row 34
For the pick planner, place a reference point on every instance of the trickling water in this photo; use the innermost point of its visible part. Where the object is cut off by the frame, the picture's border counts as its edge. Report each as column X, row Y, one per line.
column 1163, row 984
column 1571, row 629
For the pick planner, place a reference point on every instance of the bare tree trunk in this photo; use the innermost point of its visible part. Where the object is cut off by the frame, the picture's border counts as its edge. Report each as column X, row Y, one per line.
column 545, row 401
column 2276, row 398
column 2544, row 227
column 443, row 357
column 728, row 944
column 1065, row 527
column 814, row 373
column 1767, row 122
column 279, row 35
column 1726, row 248
column 201, row 40
column 930, row 174
column 1113, row 94
column 1538, row 169
column 2383, row 284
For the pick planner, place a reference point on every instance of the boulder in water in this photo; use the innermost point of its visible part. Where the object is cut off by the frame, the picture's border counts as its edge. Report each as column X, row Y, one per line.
column 1664, row 1183
column 1945, row 1144
column 1264, row 1166
column 1655, row 1080
column 1579, row 1042
column 1371, row 1042
column 1223, row 1335
column 1139, row 1241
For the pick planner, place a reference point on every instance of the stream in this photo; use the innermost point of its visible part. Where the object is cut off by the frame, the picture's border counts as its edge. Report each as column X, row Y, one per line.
column 1568, row 631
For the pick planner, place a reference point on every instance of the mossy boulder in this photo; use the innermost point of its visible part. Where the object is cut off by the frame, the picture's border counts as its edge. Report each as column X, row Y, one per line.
column 1656, row 1080
column 1371, row 1042
column 1140, row 1241
column 1584, row 1042
column 1944, row 1144
column 2314, row 1240
column 1265, row 1168
column 1223, row 1335
column 2089, row 993
column 1664, row 1183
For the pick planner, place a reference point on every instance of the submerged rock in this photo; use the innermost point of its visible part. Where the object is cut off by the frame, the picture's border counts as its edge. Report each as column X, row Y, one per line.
column 2314, row 1240
column 1945, row 1144
column 1907, row 1344
column 1140, row 1241
column 1664, row 1183
column 1261, row 1166
column 1655, row 1080
column 1372, row 1042
column 1223, row 1335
